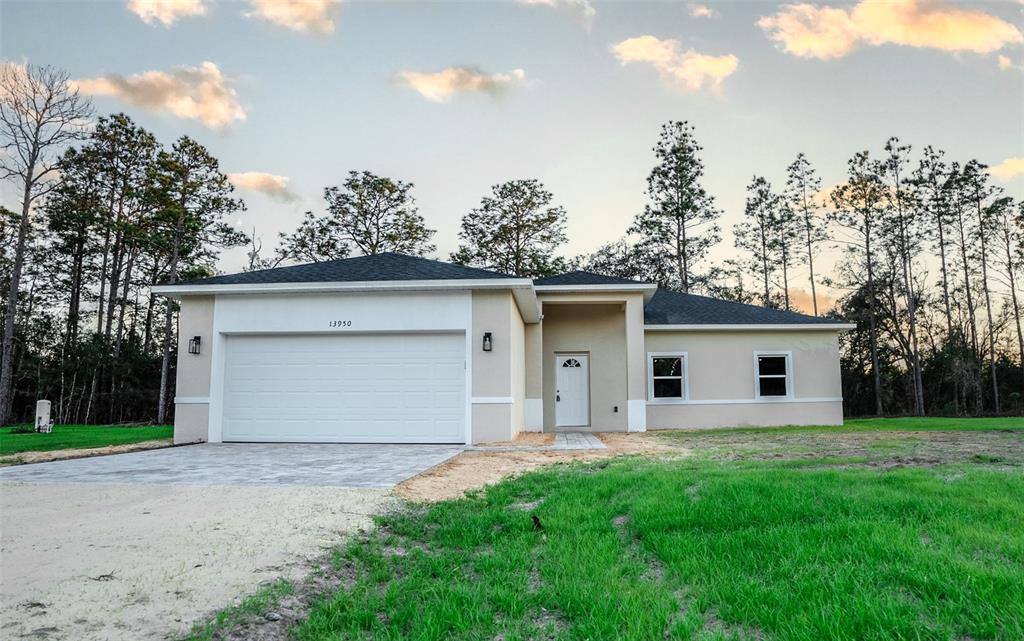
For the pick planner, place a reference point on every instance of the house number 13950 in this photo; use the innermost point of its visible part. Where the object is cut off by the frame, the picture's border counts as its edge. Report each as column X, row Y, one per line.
column 340, row 323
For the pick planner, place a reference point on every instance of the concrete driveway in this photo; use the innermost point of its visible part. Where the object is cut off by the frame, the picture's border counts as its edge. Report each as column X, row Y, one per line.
column 142, row 545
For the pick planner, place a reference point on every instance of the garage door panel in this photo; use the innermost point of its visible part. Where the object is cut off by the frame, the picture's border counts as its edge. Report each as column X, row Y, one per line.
column 352, row 388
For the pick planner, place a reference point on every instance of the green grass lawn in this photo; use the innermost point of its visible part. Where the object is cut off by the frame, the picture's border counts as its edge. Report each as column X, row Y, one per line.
column 909, row 424
column 794, row 538
column 80, row 436
column 694, row 549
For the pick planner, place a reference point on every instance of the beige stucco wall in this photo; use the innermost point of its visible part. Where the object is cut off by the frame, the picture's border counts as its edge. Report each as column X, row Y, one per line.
column 500, row 374
column 193, row 370
column 721, row 368
column 600, row 331
column 517, row 343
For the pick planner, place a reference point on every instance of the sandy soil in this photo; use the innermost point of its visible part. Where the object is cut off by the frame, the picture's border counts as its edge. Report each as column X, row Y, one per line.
column 122, row 562
column 874, row 449
column 471, row 470
column 60, row 455
column 525, row 439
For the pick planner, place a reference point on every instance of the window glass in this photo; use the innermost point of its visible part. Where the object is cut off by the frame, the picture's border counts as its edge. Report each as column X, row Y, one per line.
column 668, row 388
column 773, row 386
column 667, row 378
column 772, row 365
column 668, row 366
column 772, row 375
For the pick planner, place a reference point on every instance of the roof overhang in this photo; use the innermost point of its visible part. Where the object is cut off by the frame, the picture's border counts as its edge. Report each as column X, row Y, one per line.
column 646, row 290
column 522, row 289
column 789, row 327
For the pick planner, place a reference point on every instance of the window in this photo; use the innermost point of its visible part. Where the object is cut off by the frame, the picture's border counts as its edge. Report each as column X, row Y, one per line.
column 773, row 375
column 666, row 377
column 571, row 362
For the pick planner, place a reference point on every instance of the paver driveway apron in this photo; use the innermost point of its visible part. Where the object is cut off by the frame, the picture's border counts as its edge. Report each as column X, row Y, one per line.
column 139, row 546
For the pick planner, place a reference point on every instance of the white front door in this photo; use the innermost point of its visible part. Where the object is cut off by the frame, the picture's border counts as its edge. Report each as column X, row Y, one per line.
column 572, row 390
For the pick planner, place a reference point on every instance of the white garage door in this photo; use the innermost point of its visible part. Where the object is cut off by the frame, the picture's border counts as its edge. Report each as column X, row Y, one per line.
column 385, row 388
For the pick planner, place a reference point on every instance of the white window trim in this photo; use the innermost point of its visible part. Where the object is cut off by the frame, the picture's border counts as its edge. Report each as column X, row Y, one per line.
column 650, row 378
column 790, row 380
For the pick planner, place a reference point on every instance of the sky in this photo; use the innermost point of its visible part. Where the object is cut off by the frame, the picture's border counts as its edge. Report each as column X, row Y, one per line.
column 456, row 97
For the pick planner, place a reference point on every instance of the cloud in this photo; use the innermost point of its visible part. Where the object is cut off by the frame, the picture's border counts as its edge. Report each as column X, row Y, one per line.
column 585, row 10
column 810, row 31
column 1006, row 63
column 442, row 85
column 271, row 185
column 800, row 299
column 687, row 69
column 306, row 16
column 1008, row 169
column 166, row 11
column 198, row 93
column 701, row 11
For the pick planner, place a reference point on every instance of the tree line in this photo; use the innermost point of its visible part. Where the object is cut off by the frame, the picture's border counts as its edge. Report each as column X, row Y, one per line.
column 107, row 211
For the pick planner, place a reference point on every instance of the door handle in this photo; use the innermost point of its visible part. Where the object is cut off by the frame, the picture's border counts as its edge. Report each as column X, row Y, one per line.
column 557, row 396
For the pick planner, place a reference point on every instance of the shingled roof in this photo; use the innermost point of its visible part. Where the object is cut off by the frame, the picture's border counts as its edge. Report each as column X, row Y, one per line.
column 585, row 278
column 379, row 267
column 676, row 308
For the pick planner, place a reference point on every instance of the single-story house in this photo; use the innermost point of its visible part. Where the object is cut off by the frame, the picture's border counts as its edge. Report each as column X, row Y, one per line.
column 401, row 349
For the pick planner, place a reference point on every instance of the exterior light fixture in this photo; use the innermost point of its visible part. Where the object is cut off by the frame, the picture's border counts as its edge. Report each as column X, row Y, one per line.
column 487, row 342
column 193, row 344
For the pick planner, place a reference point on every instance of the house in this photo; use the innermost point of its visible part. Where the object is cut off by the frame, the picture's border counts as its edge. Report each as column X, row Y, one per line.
column 396, row 348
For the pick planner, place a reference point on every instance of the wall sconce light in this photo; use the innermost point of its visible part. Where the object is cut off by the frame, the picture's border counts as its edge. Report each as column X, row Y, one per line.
column 487, row 341
column 193, row 344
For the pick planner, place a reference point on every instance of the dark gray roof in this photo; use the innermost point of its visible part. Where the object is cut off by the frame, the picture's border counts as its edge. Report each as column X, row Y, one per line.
column 585, row 278
column 676, row 308
column 379, row 267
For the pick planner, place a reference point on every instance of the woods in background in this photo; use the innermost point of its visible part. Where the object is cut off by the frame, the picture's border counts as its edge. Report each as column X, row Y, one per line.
column 932, row 256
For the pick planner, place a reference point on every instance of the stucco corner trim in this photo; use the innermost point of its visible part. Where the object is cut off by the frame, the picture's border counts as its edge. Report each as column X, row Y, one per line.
column 533, row 415
column 636, row 415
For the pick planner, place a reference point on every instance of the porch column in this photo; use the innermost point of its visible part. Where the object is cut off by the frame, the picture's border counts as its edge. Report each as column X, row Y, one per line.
column 636, row 366
column 533, row 408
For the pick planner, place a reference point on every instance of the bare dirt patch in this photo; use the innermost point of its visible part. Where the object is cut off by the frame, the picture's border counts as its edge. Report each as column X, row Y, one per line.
column 525, row 439
column 476, row 469
column 881, row 449
column 61, row 455
column 132, row 562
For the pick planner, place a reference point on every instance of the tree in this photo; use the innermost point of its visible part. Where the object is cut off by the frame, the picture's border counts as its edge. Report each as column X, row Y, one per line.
column 802, row 187
column 317, row 239
column 39, row 114
column 900, row 227
column 191, row 197
column 680, row 222
column 516, row 230
column 378, row 214
column 755, row 235
column 979, row 191
column 932, row 193
column 1008, row 231
column 858, row 209
column 617, row 258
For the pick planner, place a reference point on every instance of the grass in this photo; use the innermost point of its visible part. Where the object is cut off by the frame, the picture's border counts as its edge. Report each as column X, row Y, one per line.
column 903, row 424
column 787, row 538
column 251, row 607
column 80, row 436
column 690, row 549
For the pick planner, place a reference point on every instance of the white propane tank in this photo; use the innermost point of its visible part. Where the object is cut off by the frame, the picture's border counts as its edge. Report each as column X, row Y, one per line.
column 43, row 422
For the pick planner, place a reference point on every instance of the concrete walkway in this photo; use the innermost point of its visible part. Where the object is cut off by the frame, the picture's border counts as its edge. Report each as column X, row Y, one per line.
column 577, row 441
column 563, row 441
column 281, row 464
